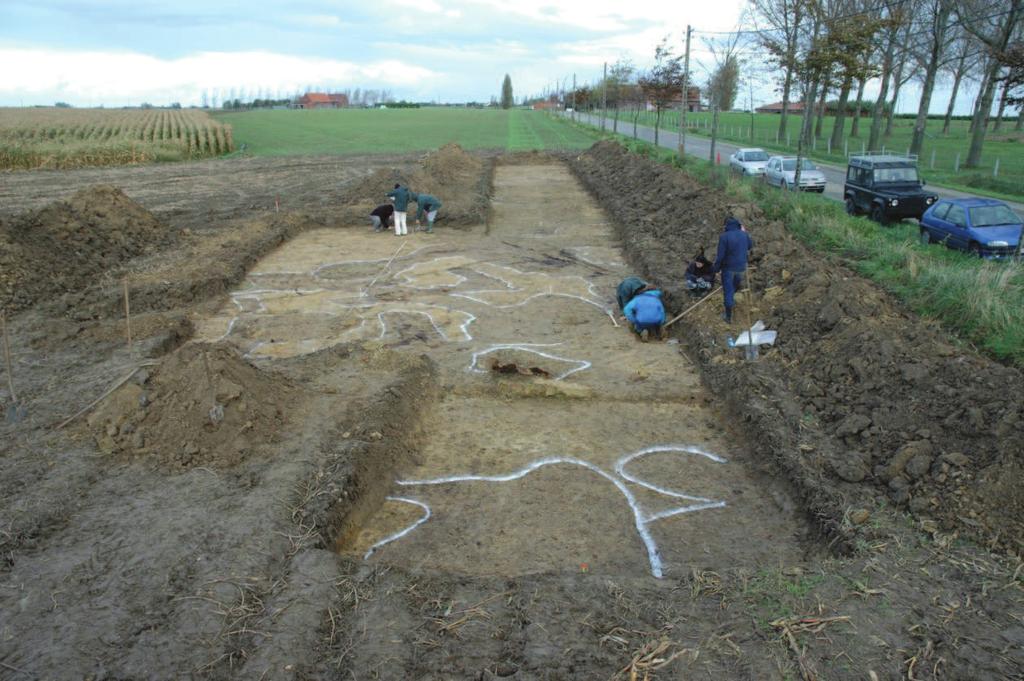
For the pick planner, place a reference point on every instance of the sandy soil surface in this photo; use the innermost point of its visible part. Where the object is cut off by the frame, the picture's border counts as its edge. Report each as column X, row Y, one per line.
column 214, row 516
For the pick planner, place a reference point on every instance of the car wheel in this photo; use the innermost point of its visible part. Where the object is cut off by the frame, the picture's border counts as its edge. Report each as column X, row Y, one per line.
column 878, row 215
column 784, row 186
column 926, row 237
column 851, row 207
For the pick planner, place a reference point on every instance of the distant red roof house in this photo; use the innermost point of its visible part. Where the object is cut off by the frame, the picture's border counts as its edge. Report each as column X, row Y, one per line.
column 692, row 101
column 776, row 108
column 545, row 105
column 321, row 100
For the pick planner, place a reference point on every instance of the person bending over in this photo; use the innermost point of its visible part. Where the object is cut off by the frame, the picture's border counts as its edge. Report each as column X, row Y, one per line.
column 380, row 216
column 427, row 205
column 646, row 313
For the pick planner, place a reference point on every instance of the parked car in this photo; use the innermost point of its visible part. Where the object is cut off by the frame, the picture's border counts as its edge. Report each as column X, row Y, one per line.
column 749, row 162
column 781, row 172
column 985, row 227
column 886, row 187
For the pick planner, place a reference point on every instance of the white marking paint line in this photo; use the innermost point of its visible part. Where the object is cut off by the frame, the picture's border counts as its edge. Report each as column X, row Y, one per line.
column 527, row 347
column 640, row 518
column 401, row 533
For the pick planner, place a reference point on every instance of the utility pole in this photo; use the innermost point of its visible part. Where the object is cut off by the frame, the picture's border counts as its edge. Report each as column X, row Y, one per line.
column 574, row 97
column 604, row 95
column 686, row 94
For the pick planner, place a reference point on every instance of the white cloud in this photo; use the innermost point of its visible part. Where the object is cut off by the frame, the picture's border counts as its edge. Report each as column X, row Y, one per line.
column 320, row 20
column 116, row 78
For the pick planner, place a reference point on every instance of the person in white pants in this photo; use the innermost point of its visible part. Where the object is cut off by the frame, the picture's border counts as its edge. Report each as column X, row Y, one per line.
column 400, row 195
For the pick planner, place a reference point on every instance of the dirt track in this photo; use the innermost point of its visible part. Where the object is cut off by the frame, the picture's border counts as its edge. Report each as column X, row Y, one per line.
column 150, row 540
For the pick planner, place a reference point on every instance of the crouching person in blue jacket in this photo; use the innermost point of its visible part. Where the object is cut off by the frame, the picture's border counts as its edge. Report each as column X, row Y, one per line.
column 646, row 313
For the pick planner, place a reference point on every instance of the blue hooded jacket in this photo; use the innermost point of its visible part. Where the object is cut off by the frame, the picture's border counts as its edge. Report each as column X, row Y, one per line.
column 733, row 246
column 645, row 309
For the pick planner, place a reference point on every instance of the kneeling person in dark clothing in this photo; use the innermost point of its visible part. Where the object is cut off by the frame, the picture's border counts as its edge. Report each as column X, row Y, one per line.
column 380, row 216
column 700, row 277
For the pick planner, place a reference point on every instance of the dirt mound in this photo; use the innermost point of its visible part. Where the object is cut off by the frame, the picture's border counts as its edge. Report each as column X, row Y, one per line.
column 70, row 244
column 204, row 406
column 861, row 402
column 460, row 180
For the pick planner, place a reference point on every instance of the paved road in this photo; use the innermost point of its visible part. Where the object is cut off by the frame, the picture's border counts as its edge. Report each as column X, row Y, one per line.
column 701, row 147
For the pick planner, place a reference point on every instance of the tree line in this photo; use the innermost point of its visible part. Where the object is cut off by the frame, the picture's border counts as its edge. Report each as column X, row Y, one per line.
column 823, row 53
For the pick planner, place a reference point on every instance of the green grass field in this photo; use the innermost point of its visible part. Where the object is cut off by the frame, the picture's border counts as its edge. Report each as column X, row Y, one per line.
column 1006, row 145
column 360, row 131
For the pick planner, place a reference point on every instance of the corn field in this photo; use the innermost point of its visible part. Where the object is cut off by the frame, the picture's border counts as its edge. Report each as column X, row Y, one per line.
column 74, row 138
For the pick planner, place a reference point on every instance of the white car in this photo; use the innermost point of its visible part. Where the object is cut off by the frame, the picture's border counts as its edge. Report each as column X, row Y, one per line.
column 749, row 162
column 781, row 172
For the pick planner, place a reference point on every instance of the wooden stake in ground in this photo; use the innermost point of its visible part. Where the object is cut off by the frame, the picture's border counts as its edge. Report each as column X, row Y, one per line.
column 388, row 265
column 689, row 309
column 128, row 318
column 7, row 358
column 750, row 306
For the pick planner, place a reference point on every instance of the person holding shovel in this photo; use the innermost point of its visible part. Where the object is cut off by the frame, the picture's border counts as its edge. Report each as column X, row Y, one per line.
column 734, row 245
column 427, row 205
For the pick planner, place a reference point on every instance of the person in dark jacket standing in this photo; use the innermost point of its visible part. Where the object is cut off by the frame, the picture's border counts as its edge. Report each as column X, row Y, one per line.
column 401, row 197
column 733, row 247
column 380, row 216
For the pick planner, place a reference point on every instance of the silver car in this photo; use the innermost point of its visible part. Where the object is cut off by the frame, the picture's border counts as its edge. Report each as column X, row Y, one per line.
column 781, row 172
column 749, row 162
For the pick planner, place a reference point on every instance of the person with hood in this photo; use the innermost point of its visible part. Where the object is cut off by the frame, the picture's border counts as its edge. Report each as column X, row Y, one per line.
column 380, row 216
column 427, row 205
column 734, row 245
column 699, row 277
column 627, row 290
column 646, row 312
column 401, row 196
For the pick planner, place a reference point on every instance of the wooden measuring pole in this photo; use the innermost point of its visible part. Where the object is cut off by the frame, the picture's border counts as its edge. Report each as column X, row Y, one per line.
column 128, row 317
column 691, row 308
column 7, row 358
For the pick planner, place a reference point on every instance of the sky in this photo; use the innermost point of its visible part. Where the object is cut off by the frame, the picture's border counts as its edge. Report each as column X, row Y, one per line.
column 126, row 52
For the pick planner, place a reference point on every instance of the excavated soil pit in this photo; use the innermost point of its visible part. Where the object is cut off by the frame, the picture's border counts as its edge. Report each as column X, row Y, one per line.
column 617, row 463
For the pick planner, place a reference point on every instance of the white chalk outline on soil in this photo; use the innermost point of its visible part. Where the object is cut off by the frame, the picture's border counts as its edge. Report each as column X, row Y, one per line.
column 515, row 288
column 400, row 533
column 528, row 347
column 640, row 518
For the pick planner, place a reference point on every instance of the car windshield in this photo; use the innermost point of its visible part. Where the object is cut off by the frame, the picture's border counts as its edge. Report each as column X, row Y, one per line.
column 755, row 156
column 791, row 165
column 986, row 216
column 896, row 174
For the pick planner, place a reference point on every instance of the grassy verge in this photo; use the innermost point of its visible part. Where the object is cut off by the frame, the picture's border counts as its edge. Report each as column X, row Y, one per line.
column 982, row 302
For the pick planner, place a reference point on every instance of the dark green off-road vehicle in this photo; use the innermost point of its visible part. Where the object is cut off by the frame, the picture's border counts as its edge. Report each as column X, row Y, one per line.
column 886, row 187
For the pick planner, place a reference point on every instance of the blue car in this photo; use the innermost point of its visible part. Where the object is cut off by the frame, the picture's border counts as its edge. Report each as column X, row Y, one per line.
column 985, row 227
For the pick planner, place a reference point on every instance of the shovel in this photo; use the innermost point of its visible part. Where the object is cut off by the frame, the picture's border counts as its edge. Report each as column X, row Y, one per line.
column 15, row 411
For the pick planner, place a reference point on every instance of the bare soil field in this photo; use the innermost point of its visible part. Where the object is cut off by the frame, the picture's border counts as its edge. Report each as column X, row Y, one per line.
column 331, row 453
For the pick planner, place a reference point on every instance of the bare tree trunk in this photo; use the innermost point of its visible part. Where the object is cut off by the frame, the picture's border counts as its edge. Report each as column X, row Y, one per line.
column 714, row 133
column 855, row 124
column 657, row 123
column 898, row 79
column 957, row 78
column 787, row 86
column 977, row 100
column 981, row 115
column 883, row 93
column 1002, row 109
column 615, row 121
column 819, row 122
column 839, row 126
column 934, row 56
